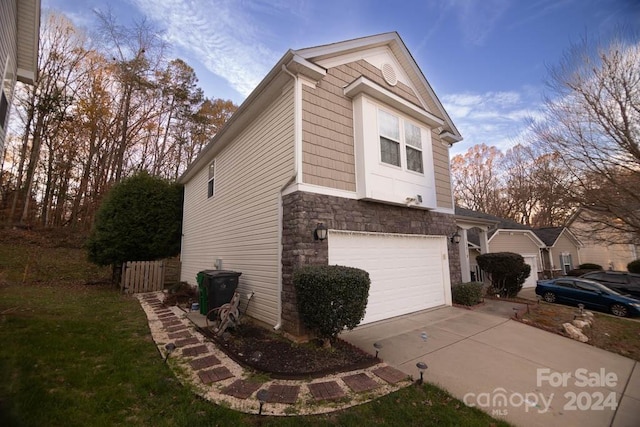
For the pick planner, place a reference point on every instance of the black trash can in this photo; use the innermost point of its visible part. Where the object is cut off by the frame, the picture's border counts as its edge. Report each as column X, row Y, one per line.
column 220, row 286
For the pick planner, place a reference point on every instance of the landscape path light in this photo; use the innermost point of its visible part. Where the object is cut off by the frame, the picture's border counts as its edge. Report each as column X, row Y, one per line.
column 169, row 347
column 421, row 367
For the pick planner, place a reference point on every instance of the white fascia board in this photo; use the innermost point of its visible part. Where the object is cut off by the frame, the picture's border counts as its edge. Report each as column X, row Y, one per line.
column 465, row 221
column 328, row 50
column 571, row 236
column 299, row 65
column 530, row 234
column 374, row 90
column 450, row 138
column 318, row 189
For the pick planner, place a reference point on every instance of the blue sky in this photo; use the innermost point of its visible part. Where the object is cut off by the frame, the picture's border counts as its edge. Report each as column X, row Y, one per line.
column 486, row 59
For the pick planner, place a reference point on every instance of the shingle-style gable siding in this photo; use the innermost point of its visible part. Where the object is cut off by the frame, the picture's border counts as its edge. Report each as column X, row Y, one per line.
column 240, row 224
column 444, row 196
column 327, row 131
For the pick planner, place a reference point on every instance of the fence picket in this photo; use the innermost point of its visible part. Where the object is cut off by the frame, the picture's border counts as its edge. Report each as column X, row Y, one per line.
column 143, row 276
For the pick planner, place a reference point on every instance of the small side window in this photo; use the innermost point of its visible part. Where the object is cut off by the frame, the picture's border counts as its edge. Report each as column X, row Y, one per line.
column 211, row 184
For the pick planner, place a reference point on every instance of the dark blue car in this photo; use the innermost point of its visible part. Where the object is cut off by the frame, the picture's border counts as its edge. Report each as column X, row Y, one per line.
column 593, row 295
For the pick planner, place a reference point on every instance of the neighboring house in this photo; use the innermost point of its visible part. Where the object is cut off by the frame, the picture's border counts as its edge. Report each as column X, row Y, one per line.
column 562, row 252
column 549, row 252
column 605, row 246
column 19, row 36
column 349, row 135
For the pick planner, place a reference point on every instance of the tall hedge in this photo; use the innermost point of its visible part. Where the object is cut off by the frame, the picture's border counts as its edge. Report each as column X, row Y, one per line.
column 507, row 271
column 140, row 219
column 331, row 298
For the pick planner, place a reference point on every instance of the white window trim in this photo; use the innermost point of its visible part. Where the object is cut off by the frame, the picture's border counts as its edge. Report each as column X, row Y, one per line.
column 404, row 161
column 211, row 180
column 566, row 256
column 374, row 90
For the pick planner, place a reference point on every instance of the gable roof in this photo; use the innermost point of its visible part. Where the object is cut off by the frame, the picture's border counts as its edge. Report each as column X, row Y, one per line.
column 501, row 223
column 305, row 62
column 395, row 43
column 548, row 235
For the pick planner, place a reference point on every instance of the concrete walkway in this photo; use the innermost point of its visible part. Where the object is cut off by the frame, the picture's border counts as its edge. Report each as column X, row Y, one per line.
column 525, row 375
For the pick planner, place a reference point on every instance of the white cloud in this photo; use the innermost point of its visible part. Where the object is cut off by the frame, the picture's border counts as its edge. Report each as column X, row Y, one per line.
column 493, row 118
column 220, row 34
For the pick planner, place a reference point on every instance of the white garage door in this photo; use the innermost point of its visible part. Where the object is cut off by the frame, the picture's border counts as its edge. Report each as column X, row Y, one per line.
column 532, row 260
column 408, row 272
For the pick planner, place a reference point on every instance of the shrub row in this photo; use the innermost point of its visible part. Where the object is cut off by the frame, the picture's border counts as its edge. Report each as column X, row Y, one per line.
column 469, row 293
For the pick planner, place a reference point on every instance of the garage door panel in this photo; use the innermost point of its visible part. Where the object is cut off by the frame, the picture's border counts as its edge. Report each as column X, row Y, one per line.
column 407, row 272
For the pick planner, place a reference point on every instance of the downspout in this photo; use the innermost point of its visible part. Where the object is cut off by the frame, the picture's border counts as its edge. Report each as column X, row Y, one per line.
column 295, row 178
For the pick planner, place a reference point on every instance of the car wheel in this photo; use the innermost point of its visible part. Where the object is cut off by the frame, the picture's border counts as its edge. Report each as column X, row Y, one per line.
column 619, row 310
column 549, row 297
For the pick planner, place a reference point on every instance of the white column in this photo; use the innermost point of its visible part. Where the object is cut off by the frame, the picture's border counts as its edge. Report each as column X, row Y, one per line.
column 484, row 242
column 464, row 256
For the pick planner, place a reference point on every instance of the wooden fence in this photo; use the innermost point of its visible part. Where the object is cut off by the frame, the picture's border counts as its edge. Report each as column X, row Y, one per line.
column 149, row 276
column 143, row 276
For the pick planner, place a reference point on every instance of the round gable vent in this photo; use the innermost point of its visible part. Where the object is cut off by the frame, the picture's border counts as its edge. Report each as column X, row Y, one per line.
column 389, row 74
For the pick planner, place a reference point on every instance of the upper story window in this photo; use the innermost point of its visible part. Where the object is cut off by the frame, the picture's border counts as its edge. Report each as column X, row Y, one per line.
column 211, row 184
column 400, row 142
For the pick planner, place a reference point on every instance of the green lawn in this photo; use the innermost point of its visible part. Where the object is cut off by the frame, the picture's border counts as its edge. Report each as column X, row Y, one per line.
column 78, row 355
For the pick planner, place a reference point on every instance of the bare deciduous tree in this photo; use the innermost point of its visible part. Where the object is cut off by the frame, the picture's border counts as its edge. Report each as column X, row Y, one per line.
column 593, row 123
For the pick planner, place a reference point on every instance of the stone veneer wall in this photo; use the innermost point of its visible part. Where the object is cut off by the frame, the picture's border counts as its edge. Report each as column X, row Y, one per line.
column 302, row 211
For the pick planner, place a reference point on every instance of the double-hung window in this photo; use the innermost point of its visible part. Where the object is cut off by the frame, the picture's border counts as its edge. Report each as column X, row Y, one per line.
column 566, row 262
column 400, row 142
column 211, row 187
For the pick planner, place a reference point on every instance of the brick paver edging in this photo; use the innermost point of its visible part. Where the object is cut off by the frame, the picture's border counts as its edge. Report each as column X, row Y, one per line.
column 196, row 361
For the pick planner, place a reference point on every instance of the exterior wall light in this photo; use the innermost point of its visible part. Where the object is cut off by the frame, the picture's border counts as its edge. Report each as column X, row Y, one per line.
column 320, row 233
column 455, row 238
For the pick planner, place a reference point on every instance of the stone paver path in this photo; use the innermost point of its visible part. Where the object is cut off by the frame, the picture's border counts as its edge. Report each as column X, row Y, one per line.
column 222, row 380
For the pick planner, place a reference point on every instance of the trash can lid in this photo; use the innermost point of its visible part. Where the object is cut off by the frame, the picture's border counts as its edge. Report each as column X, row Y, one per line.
column 221, row 273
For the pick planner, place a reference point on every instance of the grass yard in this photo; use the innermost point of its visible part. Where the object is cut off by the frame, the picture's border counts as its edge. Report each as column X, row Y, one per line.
column 80, row 355
column 610, row 333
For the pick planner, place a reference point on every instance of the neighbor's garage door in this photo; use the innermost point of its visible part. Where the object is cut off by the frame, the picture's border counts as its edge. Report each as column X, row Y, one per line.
column 408, row 272
column 532, row 280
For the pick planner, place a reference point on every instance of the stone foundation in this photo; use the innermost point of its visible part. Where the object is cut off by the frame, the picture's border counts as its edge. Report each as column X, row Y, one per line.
column 303, row 211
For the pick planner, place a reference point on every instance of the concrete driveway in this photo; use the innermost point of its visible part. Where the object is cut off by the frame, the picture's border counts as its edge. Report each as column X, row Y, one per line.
column 522, row 374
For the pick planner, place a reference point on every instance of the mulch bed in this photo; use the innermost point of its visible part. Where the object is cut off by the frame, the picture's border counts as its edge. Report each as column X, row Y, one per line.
column 262, row 350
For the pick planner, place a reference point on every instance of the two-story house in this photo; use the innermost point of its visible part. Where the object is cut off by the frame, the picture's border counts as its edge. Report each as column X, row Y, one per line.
column 19, row 37
column 349, row 137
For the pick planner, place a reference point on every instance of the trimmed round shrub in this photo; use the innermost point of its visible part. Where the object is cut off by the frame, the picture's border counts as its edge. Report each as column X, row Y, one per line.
column 507, row 271
column 634, row 266
column 469, row 293
column 331, row 298
column 589, row 266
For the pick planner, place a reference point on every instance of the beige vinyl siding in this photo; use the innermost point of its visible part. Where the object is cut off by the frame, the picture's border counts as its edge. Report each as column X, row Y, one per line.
column 565, row 245
column 327, row 131
column 444, row 196
column 615, row 256
column 240, row 224
column 516, row 242
column 8, row 29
